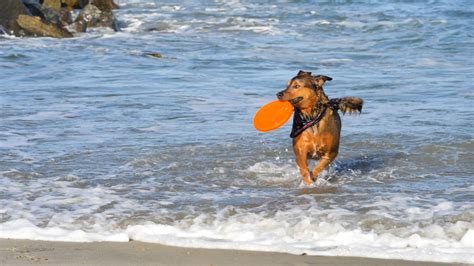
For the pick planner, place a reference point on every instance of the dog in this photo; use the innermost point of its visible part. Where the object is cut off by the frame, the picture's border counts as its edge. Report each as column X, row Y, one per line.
column 316, row 122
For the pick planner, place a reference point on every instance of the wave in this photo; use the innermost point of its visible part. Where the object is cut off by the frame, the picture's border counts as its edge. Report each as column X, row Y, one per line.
column 281, row 233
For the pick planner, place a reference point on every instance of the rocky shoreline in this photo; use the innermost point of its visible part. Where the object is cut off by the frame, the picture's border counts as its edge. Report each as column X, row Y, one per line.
column 55, row 18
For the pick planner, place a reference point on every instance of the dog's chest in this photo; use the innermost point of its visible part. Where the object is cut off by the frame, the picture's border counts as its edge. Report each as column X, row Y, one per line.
column 311, row 141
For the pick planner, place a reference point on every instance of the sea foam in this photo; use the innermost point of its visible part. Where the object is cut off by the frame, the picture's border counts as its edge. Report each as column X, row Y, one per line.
column 268, row 234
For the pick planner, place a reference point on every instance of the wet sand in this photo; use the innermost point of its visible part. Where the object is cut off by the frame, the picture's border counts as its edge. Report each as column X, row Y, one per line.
column 28, row 252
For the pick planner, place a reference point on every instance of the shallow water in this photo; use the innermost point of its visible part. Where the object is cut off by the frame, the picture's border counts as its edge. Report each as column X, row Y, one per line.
column 101, row 142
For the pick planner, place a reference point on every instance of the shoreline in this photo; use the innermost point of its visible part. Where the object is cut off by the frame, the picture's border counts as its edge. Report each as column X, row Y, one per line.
column 28, row 252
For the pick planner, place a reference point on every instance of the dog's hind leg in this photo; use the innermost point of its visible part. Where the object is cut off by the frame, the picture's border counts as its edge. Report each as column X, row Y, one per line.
column 325, row 160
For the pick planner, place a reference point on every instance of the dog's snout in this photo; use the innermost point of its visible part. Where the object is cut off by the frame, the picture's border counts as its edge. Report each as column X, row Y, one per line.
column 280, row 94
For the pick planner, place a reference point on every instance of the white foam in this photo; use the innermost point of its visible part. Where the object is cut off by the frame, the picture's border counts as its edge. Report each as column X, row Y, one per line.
column 172, row 8
column 355, row 24
column 264, row 26
column 274, row 173
column 351, row 24
column 397, row 226
column 293, row 228
column 84, row 215
column 24, row 229
column 304, row 235
column 468, row 238
column 132, row 23
column 253, row 232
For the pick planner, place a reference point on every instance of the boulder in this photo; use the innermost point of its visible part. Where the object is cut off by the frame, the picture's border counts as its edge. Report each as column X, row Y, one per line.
column 71, row 4
column 103, row 5
column 53, row 4
column 94, row 17
column 34, row 7
column 51, row 16
column 78, row 26
column 79, row 4
column 9, row 12
column 35, row 26
column 66, row 16
column 153, row 54
column 49, row 12
column 113, row 5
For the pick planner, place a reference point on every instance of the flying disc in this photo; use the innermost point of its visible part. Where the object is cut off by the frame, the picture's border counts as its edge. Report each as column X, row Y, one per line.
column 272, row 115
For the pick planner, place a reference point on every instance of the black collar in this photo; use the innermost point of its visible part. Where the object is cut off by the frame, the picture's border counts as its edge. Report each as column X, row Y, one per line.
column 300, row 123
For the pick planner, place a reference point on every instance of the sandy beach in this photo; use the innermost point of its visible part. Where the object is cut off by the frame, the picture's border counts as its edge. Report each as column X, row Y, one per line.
column 125, row 127
column 28, row 252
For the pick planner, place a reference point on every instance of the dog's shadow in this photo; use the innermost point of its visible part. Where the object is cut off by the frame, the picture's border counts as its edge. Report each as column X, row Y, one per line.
column 366, row 163
column 361, row 165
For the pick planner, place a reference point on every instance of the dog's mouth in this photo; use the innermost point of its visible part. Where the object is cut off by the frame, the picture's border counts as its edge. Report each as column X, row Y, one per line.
column 296, row 100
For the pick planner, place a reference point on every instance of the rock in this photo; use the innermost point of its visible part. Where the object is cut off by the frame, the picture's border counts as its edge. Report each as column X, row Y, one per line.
column 51, row 16
column 9, row 12
column 78, row 26
column 66, row 16
column 79, row 4
column 153, row 54
column 60, row 17
column 103, row 5
column 94, row 17
column 35, row 26
column 71, row 4
column 113, row 5
column 34, row 7
column 53, row 4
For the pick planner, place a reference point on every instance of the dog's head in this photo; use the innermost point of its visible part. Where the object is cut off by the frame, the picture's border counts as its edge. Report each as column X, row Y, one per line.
column 303, row 89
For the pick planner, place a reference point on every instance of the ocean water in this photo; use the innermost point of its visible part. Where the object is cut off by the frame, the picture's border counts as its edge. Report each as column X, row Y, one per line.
column 99, row 142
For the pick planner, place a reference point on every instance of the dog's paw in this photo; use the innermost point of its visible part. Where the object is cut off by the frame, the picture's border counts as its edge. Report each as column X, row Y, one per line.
column 308, row 181
column 321, row 182
column 306, row 185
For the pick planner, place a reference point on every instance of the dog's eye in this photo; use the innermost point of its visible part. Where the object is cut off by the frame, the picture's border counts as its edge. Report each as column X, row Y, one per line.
column 296, row 86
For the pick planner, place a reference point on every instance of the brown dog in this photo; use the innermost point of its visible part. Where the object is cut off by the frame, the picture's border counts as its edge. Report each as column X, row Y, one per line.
column 316, row 122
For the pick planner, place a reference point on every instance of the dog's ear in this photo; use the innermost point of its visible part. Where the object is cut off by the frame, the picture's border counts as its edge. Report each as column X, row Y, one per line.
column 320, row 79
column 302, row 73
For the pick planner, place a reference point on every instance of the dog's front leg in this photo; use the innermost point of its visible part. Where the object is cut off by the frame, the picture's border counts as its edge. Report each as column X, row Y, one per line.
column 301, row 156
column 322, row 164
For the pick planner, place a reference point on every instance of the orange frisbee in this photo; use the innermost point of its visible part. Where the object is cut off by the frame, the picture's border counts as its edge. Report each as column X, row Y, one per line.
column 272, row 115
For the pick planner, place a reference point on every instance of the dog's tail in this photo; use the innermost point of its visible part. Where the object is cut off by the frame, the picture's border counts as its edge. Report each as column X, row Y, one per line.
column 347, row 104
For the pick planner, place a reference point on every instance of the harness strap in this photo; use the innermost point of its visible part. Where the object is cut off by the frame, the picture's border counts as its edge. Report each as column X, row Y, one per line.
column 300, row 124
